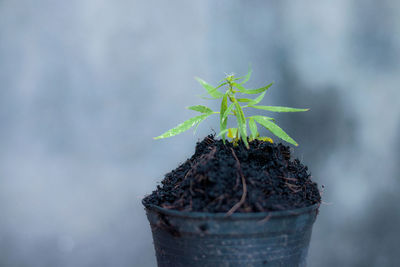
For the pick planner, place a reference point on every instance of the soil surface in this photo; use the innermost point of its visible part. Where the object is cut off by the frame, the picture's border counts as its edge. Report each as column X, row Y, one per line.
column 227, row 178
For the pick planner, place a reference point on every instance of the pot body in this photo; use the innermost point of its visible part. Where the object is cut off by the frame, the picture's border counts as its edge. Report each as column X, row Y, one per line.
column 191, row 239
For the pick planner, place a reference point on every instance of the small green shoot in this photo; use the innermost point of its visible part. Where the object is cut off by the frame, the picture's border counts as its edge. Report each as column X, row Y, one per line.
column 230, row 106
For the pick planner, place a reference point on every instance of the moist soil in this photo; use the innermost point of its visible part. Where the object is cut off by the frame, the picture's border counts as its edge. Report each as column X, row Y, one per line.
column 231, row 178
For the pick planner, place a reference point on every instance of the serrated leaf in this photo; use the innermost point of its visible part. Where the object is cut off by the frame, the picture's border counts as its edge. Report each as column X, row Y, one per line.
column 265, row 138
column 201, row 109
column 222, row 120
column 281, row 109
column 212, row 91
column 253, row 128
column 184, row 126
column 251, row 91
column 241, row 120
column 275, row 129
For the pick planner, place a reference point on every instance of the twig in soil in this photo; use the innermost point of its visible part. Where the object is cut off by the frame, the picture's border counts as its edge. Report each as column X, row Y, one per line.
column 243, row 198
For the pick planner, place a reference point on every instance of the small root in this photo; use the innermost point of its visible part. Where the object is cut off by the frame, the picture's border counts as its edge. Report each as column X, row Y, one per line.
column 289, row 178
column 294, row 188
column 199, row 190
column 237, row 181
column 202, row 160
column 252, row 182
column 218, row 200
column 266, row 219
column 209, row 141
column 259, row 207
column 165, row 206
column 244, row 194
column 321, row 192
column 191, row 188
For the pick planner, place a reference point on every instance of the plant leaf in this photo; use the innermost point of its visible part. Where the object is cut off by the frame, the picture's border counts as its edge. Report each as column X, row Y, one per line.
column 207, row 98
column 223, row 132
column 275, row 129
column 184, row 126
column 244, row 99
column 232, row 132
column 241, row 120
column 210, row 89
column 197, row 126
column 233, row 79
column 248, row 75
column 256, row 100
column 253, row 128
column 252, row 91
column 222, row 84
column 280, row 109
column 229, row 109
column 222, row 120
column 201, row 109
column 265, row 138
column 265, row 117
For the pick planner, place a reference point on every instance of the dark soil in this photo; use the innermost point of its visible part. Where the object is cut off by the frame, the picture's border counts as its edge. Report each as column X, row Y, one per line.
column 227, row 178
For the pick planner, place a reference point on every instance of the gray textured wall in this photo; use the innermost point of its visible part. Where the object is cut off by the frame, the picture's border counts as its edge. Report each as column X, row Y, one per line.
column 86, row 84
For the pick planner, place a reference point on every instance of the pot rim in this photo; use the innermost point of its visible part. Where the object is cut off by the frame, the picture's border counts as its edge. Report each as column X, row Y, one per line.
column 234, row 216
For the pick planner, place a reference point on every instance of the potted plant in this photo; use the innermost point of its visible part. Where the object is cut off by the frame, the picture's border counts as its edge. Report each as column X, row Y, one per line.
column 240, row 200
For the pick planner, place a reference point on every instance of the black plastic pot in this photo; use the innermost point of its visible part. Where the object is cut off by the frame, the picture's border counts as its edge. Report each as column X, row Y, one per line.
column 191, row 239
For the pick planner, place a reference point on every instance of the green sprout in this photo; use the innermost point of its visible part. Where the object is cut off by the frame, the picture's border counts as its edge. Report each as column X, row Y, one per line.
column 230, row 106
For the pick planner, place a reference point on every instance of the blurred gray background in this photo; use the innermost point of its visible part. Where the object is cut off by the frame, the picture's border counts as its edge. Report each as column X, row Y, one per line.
column 85, row 85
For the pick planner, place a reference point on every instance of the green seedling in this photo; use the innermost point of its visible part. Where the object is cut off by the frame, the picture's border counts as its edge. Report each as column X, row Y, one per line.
column 233, row 105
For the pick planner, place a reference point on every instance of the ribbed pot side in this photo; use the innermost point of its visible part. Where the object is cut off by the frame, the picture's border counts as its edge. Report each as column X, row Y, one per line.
column 191, row 239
